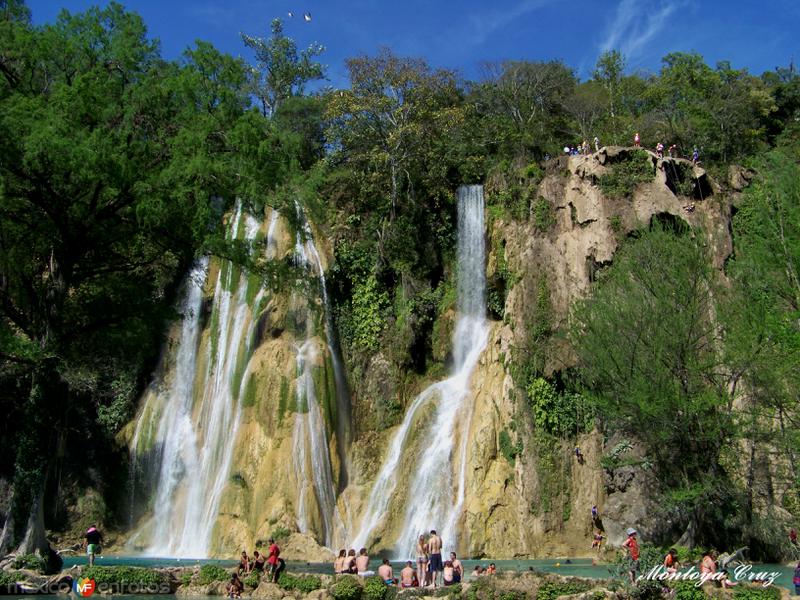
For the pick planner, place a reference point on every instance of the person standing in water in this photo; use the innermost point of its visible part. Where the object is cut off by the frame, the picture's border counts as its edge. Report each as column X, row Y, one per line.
column 458, row 568
column 93, row 542
column 435, row 556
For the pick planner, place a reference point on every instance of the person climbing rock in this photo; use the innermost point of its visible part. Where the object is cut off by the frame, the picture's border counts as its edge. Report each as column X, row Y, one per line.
column 660, row 150
column 637, row 141
column 695, row 156
column 273, row 560
column 596, row 144
column 597, row 541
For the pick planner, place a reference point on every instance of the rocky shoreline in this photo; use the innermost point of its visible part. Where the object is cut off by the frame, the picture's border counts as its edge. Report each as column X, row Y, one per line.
column 196, row 582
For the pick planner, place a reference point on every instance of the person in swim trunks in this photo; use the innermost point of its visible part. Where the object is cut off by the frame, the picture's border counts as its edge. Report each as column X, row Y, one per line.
column 93, row 541
column 435, row 564
column 385, row 573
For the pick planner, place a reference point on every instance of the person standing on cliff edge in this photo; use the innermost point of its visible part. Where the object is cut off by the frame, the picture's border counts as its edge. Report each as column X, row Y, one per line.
column 435, row 564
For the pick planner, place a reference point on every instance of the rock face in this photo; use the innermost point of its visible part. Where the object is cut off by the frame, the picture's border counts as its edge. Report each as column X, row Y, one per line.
column 534, row 504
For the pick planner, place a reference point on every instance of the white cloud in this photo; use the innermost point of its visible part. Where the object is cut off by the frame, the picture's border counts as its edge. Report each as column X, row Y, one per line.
column 635, row 25
column 484, row 25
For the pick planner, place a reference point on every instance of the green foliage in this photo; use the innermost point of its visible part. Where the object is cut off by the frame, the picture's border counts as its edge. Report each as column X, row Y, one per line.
column 627, row 174
column 550, row 590
column 688, row 590
column 123, row 576
column 283, row 398
column 374, row 588
column 369, row 302
column 512, row 595
column 482, row 588
column 280, row 533
column 543, row 217
column 304, row 584
column 746, row 592
column 8, row 580
column 210, row 573
column 615, row 222
column 647, row 589
column 281, row 72
column 33, row 562
column 508, row 448
column 552, row 472
column 253, row 579
column 186, row 578
column 346, row 588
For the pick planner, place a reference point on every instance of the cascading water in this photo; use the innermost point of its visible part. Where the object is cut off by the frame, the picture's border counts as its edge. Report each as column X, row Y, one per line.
column 310, row 439
column 200, row 416
column 436, row 492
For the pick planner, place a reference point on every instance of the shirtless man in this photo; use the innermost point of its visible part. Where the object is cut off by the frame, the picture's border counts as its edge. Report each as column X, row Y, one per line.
column 385, row 572
column 458, row 568
column 407, row 575
column 362, row 563
column 435, row 556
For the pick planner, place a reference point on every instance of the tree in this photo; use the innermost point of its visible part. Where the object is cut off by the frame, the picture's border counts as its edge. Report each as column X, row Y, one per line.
column 281, row 72
column 608, row 71
column 108, row 158
column 648, row 347
column 395, row 108
column 524, row 102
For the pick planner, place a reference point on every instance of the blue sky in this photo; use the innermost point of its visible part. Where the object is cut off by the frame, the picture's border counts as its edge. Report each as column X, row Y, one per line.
column 462, row 34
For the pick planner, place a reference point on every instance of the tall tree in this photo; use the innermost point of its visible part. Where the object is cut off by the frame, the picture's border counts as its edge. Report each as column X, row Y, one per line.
column 281, row 72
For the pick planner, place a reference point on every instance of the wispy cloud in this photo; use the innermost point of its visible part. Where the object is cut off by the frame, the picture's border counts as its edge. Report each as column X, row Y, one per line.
column 635, row 24
column 483, row 26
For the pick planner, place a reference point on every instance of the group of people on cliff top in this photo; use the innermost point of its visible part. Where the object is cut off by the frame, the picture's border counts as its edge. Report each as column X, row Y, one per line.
column 429, row 570
column 585, row 148
column 270, row 563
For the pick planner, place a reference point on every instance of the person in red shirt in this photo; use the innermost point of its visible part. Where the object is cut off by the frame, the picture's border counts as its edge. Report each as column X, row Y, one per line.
column 273, row 560
column 632, row 546
column 671, row 561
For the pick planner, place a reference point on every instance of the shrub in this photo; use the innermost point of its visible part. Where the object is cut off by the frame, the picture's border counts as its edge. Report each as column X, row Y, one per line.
column 551, row 590
column 647, row 589
column 34, row 562
column 543, row 217
column 211, row 573
column 137, row 576
column 512, row 595
column 688, row 590
column 8, row 581
column 346, row 588
column 186, row 578
column 301, row 583
column 252, row 580
column 374, row 588
column 481, row 588
column 745, row 592
column 624, row 176
column 508, row 448
column 280, row 533
column 533, row 171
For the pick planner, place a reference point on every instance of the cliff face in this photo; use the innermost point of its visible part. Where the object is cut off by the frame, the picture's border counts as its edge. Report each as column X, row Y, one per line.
column 532, row 501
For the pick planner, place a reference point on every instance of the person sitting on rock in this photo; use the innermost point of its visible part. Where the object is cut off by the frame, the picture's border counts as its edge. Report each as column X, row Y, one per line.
column 671, row 561
column 350, row 563
column 259, row 561
column 448, row 573
column 407, row 575
column 244, row 563
column 338, row 564
column 362, row 563
column 385, row 573
column 477, row 571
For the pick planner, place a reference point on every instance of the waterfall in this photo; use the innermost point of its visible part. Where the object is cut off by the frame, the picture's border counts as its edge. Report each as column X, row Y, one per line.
column 436, row 491
column 200, row 415
column 310, row 439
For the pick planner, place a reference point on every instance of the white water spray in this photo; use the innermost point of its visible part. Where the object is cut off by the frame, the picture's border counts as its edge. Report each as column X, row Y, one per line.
column 436, row 493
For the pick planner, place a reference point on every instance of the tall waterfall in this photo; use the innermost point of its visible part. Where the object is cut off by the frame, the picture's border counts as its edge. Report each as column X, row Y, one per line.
column 200, row 414
column 311, row 451
column 435, row 495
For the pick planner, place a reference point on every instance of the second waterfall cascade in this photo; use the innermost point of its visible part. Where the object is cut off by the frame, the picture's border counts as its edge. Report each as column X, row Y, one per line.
column 441, row 415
